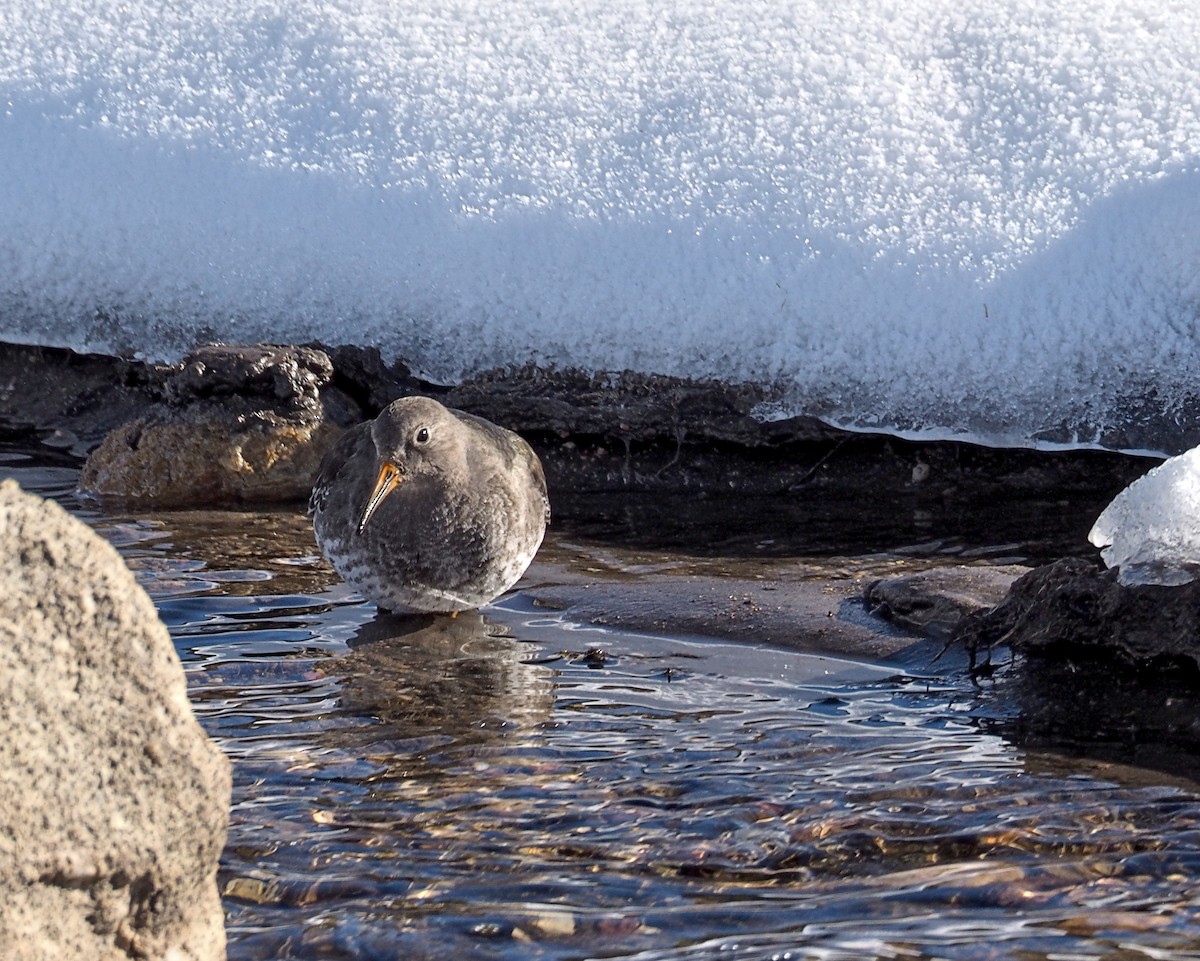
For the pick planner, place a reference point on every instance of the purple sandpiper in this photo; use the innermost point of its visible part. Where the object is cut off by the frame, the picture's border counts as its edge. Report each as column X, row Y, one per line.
column 429, row 509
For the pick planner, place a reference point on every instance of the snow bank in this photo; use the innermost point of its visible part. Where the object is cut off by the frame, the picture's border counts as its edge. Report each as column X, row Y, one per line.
column 936, row 218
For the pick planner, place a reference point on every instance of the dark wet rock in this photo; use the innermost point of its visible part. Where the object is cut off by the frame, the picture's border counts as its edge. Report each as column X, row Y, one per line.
column 370, row 383
column 631, row 431
column 115, row 801
column 625, row 407
column 235, row 425
column 1079, row 660
column 613, row 431
column 72, row 399
column 1073, row 608
column 629, row 405
column 934, row 602
column 252, row 379
column 1076, row 659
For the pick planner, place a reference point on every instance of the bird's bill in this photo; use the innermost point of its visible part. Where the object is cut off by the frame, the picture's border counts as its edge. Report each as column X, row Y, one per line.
column 389, row 478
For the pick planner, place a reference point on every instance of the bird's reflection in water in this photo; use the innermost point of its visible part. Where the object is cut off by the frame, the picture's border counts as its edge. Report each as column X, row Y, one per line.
column 425, row 676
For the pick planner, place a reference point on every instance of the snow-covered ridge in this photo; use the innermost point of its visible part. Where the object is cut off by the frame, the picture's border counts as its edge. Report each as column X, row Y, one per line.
column 940, row 218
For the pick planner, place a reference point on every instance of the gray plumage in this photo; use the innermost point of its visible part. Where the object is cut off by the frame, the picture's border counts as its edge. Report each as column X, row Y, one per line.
column 427, row 508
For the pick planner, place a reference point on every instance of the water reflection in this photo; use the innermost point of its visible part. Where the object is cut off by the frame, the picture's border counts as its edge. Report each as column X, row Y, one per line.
column 512, row 786
column 1104, row 710
column 743, row 804
column 462, row 677
column 1014, row 525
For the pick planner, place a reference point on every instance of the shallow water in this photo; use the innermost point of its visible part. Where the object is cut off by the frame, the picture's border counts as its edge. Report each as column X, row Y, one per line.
column 512, row 785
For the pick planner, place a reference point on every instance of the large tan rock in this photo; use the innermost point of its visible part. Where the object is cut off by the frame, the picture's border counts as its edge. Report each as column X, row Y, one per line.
column 113, row 802
column 236, row 424
column 206, row 457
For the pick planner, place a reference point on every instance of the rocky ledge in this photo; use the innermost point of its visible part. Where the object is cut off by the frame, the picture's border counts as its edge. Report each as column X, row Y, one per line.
column 1072, row 609
column 248, row 424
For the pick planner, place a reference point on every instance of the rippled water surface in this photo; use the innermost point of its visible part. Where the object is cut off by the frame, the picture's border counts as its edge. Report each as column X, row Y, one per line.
column 511, row 785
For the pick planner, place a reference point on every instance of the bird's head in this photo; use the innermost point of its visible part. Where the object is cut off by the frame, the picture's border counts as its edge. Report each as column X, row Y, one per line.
column 413, row 436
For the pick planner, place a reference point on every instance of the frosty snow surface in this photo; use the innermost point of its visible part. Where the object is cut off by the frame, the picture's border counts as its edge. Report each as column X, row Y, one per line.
column 936, row 217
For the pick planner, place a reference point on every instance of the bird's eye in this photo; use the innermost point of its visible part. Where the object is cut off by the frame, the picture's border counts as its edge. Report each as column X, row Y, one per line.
column 423, row 436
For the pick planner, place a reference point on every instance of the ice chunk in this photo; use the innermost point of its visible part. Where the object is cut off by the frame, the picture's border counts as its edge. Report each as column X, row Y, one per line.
column 1151, row 530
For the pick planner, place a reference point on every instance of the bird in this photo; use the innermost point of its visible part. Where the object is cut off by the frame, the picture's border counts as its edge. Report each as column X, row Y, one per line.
column 1151, row 530
column 428, row 509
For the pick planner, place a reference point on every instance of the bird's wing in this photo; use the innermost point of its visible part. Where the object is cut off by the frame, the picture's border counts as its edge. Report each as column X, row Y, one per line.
column 353, row 444
column 514, row 449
